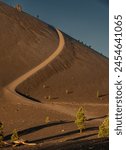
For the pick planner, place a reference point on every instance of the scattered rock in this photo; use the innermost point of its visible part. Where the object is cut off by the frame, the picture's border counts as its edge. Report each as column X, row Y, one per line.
column 62, row 130
column 67, row 92
column 47, row 97
column 44, row 86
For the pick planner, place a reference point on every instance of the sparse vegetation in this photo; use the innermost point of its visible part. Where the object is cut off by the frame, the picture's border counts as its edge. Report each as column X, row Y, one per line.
column 1, row 138
column 97, row 94
column 104, row 128
column 80, row 119
column 47, row 97
column 14, row 136
column 1, row 133
column 68, row 92
column 16, row 141
column 47, row 119
column 18, row 7
column 41, row 97
column 1, row 126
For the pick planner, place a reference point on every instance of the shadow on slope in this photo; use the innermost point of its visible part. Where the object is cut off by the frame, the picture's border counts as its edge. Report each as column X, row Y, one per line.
column 57, row 136
column 74, row 65
column 101, row 117
column 97, row 144
column 36, row 128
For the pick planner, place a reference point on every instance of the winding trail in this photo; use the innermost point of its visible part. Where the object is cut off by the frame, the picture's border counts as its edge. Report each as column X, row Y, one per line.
column 12, row 86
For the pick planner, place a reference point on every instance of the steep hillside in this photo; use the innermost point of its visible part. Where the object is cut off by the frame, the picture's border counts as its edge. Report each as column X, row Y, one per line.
column 45, row 73
column 76, row 75
column 24, row 43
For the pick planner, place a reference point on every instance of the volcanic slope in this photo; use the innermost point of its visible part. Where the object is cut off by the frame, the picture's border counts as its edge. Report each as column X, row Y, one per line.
column 77, row 75
column 16, row 60
column 71, row 79
column 24, row 43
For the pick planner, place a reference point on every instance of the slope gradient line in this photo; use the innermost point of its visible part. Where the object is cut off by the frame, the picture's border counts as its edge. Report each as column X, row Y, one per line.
column 12, row 86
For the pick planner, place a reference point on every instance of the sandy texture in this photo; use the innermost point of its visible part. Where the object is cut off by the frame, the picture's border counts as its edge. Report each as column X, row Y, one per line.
column 24, row 43
column 46, row 73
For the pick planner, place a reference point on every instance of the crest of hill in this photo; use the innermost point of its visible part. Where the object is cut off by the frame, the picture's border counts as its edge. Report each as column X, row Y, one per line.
column 74, row 76
column 25, row 42
column 78, row 69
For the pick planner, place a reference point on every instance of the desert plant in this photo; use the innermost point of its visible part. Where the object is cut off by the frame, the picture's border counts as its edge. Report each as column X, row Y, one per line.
column 49, row 97
column 1, row 137
column 47, row 119
column 1, row 133
column 18, row 7
column 97, row 94
column 14, row 136
column 104, row 128
column 1, row 126
column 80, row 119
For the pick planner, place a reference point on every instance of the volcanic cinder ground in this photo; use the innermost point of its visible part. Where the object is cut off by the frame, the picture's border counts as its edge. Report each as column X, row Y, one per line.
column 46, row 73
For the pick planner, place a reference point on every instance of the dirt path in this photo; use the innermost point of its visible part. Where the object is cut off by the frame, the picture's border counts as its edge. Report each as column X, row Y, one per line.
column 62, row 107
column 71, row 109
column 12, row 86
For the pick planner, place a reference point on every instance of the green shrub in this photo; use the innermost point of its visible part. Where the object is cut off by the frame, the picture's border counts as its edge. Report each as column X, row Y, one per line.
column 1, row 126
column 47, row 119
column 18, row 7
column 14, row 136
column 97, row 94
column 104, row 128
column 80, row 119
column 1, row 133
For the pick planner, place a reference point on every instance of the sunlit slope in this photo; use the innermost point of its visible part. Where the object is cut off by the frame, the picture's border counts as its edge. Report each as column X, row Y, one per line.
column 24, row 43
column 38, row 62
column 78, row 74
